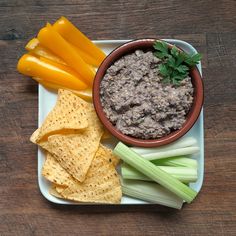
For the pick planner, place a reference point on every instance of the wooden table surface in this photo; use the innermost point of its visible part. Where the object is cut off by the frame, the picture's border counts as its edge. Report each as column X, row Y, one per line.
column 210, row 26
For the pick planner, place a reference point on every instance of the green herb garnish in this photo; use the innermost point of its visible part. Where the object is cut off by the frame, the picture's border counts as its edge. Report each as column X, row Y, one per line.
column 175, row 64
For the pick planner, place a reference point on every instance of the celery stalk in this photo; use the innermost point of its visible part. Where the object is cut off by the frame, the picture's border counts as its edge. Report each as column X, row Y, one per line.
column 150, row 192
column 183, row 174
column 171, row 153
column 153, row 172
column 176, row 161
column 181, row 143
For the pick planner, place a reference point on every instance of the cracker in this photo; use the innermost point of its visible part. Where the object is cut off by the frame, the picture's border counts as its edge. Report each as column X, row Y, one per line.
column 54, row 192
column 70, row 112
column 60, row 188
column 106, row 135
column 75, row 152
column 34, row 136
column 108, row 154
column 53, row 172
column 102, row 184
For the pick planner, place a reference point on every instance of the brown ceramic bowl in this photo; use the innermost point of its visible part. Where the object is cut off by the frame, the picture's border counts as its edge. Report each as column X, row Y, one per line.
column 191, row 118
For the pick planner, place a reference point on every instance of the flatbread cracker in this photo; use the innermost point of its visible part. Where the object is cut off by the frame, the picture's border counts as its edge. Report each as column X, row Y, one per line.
column 108, row 154
column 75, row 152
column 102, row 184
column 106, row 135
column 79, row 167
column 70, row 112
column 54, row 192
column 34, row 136
column 60, row 188
column 53, row 172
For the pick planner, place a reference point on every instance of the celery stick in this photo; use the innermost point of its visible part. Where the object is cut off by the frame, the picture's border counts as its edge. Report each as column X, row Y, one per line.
column 171, row 153
column 155, row 173
column 183, row 174
column 176, row 161
column 181, row 143
column 150, row 192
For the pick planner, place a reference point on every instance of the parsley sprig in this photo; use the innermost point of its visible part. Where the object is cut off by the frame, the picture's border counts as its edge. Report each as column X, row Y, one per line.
column 175, row 64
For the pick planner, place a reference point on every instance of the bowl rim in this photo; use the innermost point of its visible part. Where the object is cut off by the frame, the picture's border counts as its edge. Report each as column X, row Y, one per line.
column 192, row 115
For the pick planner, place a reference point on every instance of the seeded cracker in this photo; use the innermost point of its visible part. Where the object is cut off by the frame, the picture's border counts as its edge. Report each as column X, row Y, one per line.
column 69, row 113
column 60, row 188
column 107, row 154
column 77, row 165
column 102, row 184
column 53, row 172
column 75, row 152
column 54, row 192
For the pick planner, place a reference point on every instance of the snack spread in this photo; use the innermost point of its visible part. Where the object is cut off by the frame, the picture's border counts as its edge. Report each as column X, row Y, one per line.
column 135, row 99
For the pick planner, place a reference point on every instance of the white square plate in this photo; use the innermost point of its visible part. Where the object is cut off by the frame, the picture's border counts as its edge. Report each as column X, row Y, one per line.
column 47, row 100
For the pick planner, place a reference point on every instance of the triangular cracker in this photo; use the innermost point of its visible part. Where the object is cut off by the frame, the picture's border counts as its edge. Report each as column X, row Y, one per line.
column 102, row 184
column 108, row 154
column 53, row 172
column 75, row 152
column 70, row 112
column 54, row 192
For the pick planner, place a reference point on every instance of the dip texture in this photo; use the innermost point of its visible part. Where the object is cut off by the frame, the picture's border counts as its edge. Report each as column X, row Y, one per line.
column 138, row 103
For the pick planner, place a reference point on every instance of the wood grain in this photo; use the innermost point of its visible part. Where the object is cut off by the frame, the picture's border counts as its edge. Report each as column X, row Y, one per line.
column 210, row 26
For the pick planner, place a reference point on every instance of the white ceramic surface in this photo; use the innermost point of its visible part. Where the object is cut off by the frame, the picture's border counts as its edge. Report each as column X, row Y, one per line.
column 47, row 100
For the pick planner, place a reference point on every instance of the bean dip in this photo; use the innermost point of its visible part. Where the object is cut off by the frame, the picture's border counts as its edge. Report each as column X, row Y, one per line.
column 138, row 103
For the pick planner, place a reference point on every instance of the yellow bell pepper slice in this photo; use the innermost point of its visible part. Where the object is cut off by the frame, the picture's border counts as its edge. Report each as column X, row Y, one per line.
column 34, row 42
column 84, row 94
column 60, row 66
column 34, row 47
column 50, row 39
column 74, row 36
column 63, row 66
column 50, row 72
column 86, row 57
column 43, row 52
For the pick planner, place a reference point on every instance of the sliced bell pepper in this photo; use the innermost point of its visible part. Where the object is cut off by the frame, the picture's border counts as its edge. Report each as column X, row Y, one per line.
column 60, row 66
column 52, row 40
column 63, row 66
column 84, row 94
column 44, row 52
column 74, row 36
column 86, row 57
column 32, row 44
column 50, row 72
column 37, row 49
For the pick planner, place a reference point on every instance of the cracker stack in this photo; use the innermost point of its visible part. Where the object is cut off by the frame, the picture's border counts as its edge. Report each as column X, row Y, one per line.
column 80, row 168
